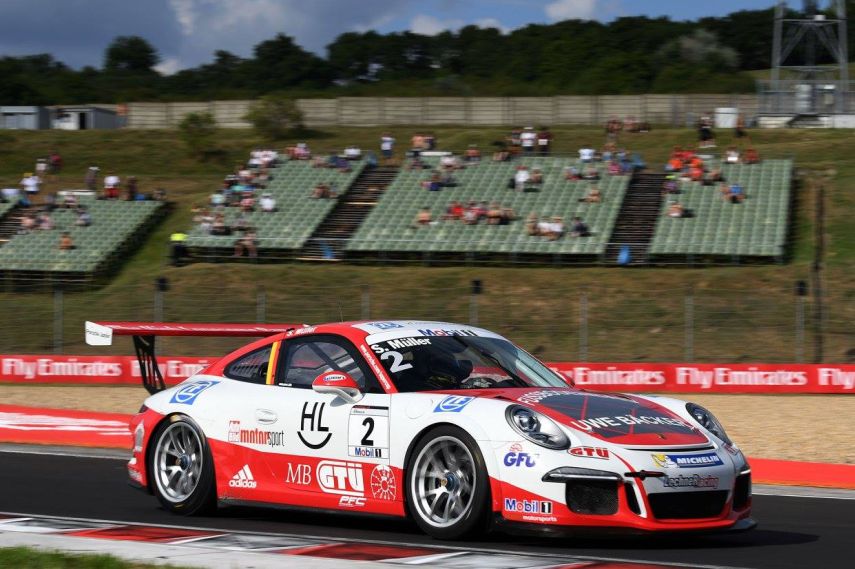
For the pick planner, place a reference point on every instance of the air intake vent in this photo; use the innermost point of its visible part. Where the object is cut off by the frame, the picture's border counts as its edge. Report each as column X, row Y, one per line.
column 599, row 497
column 688, row 505
column 742, row 491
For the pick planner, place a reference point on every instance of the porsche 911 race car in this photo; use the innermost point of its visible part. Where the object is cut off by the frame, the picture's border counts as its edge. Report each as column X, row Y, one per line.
column 451, row 425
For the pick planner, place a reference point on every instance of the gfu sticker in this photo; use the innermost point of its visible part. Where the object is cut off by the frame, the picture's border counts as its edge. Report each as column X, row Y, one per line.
column 368, row 432
column 187, row 394
column 314, row 419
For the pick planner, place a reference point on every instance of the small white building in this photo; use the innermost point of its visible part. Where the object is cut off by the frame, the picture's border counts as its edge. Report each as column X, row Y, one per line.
column 83, row 117
column 24, row 118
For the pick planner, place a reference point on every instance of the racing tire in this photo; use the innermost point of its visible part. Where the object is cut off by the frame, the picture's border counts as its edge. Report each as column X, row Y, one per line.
column 447, row 486
column 181, row 469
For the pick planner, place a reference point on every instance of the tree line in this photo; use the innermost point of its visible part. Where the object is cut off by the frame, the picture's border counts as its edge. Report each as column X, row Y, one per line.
column 628, row 55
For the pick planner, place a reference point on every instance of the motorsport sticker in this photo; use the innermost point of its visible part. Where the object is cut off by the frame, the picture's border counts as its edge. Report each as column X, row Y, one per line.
column 686, row 460
column 187, row 394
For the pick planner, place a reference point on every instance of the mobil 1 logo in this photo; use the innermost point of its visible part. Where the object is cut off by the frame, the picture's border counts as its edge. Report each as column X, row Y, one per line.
column 368, row 432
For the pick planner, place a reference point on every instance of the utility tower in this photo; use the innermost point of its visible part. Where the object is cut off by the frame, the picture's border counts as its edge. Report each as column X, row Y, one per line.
column 810, row 63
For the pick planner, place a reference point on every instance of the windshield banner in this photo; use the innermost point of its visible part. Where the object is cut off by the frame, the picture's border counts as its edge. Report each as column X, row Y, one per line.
column 631, row 377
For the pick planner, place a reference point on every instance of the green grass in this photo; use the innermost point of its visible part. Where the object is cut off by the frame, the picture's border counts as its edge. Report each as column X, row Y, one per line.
column 26, row 558
column 742, row 313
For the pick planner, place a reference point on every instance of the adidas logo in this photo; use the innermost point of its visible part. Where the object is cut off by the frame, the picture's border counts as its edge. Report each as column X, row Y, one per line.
column 243, row 479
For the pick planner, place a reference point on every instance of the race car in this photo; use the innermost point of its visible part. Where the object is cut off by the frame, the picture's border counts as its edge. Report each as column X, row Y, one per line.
column 451, row 425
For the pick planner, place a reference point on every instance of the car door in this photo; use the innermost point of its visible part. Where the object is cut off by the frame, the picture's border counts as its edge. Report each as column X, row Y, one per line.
column 334, row 446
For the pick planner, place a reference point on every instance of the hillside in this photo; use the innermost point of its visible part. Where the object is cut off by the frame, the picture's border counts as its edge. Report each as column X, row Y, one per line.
column 740, row 313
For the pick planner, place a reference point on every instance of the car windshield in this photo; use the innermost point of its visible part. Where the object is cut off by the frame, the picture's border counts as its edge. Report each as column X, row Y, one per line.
column 421, row 363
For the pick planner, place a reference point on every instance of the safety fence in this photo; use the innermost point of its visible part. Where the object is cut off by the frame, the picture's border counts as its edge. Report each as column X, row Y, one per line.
column 570, row 319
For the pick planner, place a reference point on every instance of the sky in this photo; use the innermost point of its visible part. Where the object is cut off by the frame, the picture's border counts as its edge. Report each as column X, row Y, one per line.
column 187, row 32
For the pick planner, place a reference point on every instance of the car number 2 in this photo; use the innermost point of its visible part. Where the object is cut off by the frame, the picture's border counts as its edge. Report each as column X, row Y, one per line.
column 397, row 361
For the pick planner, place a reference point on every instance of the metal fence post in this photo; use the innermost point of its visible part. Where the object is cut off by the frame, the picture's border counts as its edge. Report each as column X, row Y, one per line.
column 57, row 320
column 583, row 326
column 260, row 304
column 366, row 302
column 689, row 325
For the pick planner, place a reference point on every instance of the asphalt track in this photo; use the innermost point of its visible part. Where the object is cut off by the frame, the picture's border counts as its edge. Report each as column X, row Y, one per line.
column 794, row 532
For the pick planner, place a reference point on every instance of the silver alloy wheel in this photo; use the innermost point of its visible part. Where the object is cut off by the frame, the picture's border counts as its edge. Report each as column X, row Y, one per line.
column 178, row 462
column 443, row 481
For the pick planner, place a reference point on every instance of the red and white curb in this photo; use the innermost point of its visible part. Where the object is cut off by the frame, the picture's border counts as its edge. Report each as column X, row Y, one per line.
column 216, row 549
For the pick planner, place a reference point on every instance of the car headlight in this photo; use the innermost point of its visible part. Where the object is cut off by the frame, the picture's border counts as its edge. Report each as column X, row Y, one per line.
column 708, row 421
column 537, row 428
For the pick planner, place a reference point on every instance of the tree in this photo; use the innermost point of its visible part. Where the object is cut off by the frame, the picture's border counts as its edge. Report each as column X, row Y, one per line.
column 130, row 54
column 274, row 116
column 197, row 131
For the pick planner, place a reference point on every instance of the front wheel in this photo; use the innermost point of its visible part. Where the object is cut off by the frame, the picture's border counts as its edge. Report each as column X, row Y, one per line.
column 448, row 489
column 181, row 468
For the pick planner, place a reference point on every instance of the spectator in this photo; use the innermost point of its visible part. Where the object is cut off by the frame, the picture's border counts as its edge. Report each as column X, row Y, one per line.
column 515, row 140
column 424, row 216
column 416, row 164
column 494, row 214
column 65, row 242
column 508, row 215
column 473, row 155
column 736, row 193
column 50, row 201
column 434, row 183
column 159, row 195
column 248, row 244
column 613, row 127
column 614, row 168
column 323, row 191
column 179, row 249
column 267, row 202
column 301, row 152
column 751, row 156
column 31, row 184
column 131, row 190
column 579, row 228
column 55, row 162
column 453, row 212
column 593, row 196
column 670, row 186
column 531, row 224
column 676, row 210
column 353, row 152
column 521, row 178
column 247, row 202
column 41, row 168
column 451, row 162
column 586, row 154
column 69, row 201
column 219, row 227
column 417, row 143
column 590, row 173
column 471, row 214
column 84, row 218
column 544, row 141
column 218, row 198
column 111, row 186
column 45, row 222
column 91, row 178
column 555, row 228
column 706, row 138
column 528, row 140
column 28, row 224
column 572, row 173
column 241, row 222
column 536, row 176
column 739, row 130
column 387, row 146
column 731, row 155
column 430, row 141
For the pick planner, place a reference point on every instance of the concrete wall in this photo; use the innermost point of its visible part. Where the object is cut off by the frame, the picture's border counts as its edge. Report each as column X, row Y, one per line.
column 676, row 110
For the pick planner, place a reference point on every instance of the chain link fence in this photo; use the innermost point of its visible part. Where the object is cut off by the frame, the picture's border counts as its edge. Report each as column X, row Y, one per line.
column 565, row 322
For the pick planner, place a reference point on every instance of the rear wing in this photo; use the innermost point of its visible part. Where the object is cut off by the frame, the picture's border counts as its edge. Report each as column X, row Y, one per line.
column 144, row 334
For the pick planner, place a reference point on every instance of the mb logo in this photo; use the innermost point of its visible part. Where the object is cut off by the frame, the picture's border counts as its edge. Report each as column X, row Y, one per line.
column 314, row 418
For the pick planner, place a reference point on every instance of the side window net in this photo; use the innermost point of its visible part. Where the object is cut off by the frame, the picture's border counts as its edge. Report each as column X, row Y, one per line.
column 251, row 368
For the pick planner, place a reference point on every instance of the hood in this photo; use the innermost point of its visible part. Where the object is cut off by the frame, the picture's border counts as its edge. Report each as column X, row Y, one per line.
column 613, row 418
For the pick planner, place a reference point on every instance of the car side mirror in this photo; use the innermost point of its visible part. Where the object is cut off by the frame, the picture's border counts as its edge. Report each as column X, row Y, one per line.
column 338, row 383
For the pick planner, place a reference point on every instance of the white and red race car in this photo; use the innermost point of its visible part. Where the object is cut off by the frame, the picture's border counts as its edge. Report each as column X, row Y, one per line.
column 451, row 425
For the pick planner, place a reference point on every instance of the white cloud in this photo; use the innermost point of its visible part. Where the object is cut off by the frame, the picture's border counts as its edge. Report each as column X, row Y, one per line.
column 168, row 66
column 185, row 14
column 571, row 9
column 430, row 26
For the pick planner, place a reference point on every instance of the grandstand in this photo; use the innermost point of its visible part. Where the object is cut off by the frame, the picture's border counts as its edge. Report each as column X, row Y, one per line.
column 756, row 228
column 286, row 230
column 98, row 248
column 390, row 228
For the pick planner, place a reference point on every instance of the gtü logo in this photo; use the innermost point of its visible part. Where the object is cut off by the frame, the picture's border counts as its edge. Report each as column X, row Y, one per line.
column 340, row 478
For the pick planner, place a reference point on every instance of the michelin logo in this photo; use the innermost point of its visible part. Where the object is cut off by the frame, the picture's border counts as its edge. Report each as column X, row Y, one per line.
column 686, row 460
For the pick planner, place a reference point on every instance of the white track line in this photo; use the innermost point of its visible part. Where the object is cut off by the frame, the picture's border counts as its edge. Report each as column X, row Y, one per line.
column 546, row 556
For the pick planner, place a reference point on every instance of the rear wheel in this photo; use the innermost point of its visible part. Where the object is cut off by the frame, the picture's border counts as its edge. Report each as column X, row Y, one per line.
column 181, row 467
column 447, row 485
